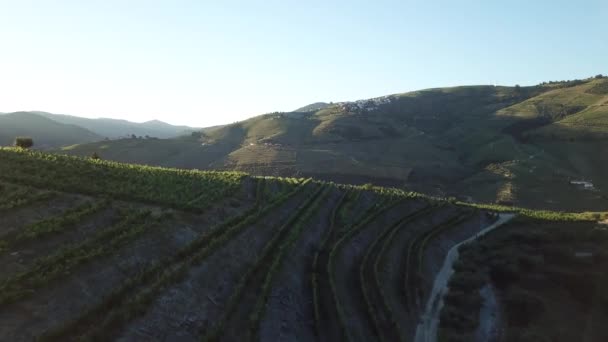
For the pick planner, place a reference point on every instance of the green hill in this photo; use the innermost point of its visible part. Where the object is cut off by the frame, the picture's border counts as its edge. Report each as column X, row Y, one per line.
column 100, row 250
column 492, row 144
column 45, row 132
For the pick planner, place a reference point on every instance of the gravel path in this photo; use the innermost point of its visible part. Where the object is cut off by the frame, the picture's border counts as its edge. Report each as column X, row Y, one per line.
column 488, row 316
column 427, row 328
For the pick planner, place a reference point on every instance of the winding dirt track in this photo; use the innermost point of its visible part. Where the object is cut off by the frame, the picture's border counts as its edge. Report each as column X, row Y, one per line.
column 426, row 330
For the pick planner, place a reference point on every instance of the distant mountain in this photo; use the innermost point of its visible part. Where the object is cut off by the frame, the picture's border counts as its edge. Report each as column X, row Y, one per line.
column 114, row 128
column 45, row 132
column 313, row 107
column 513, row 145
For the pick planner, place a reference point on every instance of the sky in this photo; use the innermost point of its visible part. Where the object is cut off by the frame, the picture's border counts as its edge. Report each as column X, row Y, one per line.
column 203, row 63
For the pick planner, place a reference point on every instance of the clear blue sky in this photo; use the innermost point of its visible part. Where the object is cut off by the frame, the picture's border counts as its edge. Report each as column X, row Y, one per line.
column 210, row 62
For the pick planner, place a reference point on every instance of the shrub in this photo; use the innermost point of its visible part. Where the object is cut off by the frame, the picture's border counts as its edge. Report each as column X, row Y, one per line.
column 367, row 186
column 528, row 335
column 470, row 300
column 466, row 280
column 530, row 262
column 521, row 306
column 453, row 319
column 503, row 273
column 24, row 142
column 95, row 156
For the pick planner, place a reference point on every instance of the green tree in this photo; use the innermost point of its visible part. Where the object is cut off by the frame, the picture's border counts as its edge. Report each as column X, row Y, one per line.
column 95, row 156
column 24, row 142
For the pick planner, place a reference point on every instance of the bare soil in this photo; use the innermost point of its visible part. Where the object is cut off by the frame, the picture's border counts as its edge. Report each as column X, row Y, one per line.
column 290, row 309
column 24, row 255
column 346, row 278
column 187, row 310
column 237, row 327
column 489, row 316
column 328, row 328
column 87, row 285
column 437, row 249
column 392, row 266
column 383, row 320
column 22, row 216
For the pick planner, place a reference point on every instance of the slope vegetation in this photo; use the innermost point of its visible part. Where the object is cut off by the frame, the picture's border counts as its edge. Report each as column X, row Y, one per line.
column 99, row 250
column 530, row 281
column 508, row 145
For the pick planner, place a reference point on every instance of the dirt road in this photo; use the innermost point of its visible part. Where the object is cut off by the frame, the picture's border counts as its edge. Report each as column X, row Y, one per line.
column 426, row 331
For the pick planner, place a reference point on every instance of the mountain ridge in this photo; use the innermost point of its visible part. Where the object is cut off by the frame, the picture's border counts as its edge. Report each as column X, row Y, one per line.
column 47, row 133
column 117, row 128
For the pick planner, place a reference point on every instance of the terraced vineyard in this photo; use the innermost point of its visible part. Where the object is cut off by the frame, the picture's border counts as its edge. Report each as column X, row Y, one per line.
column 98, row 250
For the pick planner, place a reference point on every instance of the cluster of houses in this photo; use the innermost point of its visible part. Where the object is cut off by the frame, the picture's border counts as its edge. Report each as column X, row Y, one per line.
column 586, row 185
column 366, row 105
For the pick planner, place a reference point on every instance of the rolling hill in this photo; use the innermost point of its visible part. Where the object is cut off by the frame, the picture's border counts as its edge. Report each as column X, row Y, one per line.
column 47, row 133
column 57, row 130
column 113, row 128
column 99, row 250
column 511, row 145
column 313, row 107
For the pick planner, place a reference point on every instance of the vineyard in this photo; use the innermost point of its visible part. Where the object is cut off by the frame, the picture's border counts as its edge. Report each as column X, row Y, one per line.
column 103, row 251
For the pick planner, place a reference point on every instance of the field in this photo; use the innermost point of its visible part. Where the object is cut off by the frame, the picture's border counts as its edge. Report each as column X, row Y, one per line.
column 99, row 250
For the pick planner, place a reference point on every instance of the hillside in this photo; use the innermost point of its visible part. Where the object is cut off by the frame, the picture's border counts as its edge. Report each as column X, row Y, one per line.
column 313, row 107
column 531, row 280
column 492, row 144
column 46, row 133
column 113, row 128
column 98, row 250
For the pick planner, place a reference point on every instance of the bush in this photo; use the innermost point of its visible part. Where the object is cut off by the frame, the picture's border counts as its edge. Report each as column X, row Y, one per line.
column 466, row 280
column 367, row 186
column 528, row 335
column 529, row 262
column 470, row 301
column 24, row 142
column 453, row 319
column 522, row 307
column 503, row 273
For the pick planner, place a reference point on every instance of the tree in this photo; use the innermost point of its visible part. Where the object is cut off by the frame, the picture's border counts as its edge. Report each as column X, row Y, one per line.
column 599, row 76
column 133, row 136
column 24, row 142
column 95, row 156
